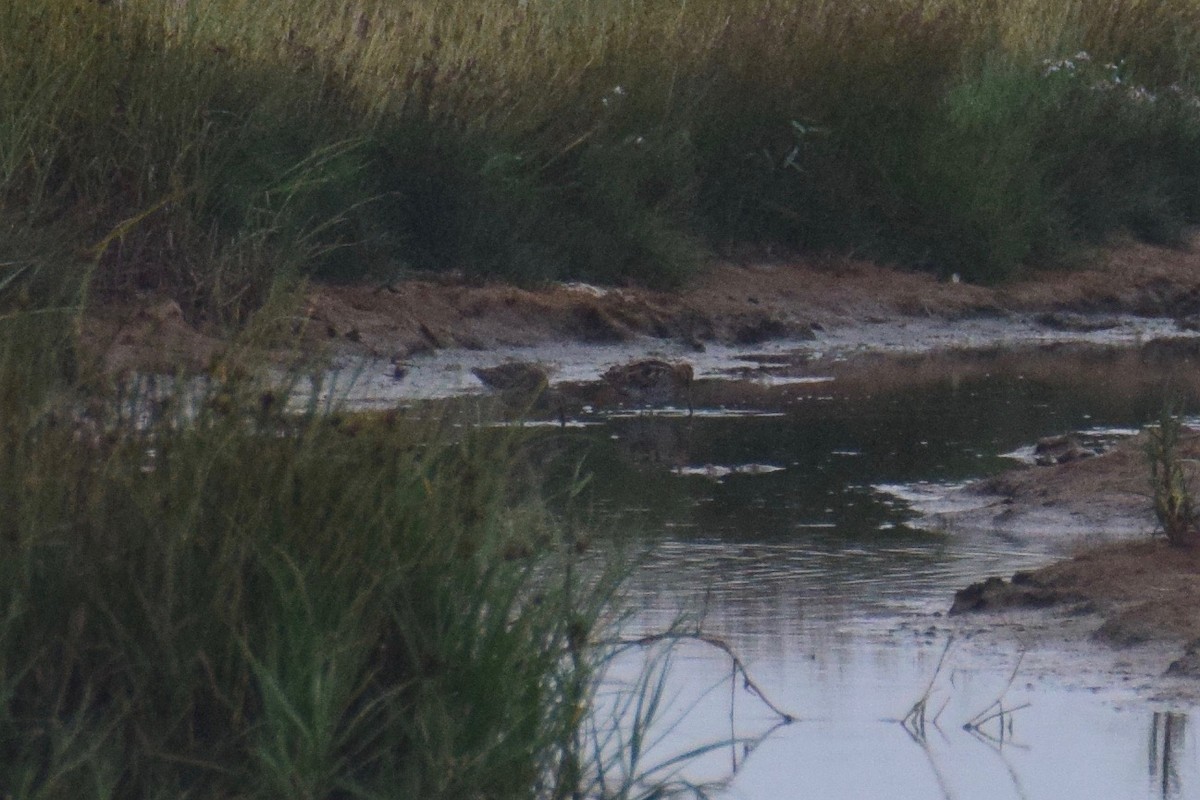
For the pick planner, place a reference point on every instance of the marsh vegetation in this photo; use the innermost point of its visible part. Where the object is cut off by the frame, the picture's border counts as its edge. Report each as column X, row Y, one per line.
column 206, row 593
column 213, row 595
column 210, row 148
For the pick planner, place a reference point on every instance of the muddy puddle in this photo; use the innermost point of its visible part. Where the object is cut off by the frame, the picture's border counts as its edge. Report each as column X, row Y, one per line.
column 806, row 512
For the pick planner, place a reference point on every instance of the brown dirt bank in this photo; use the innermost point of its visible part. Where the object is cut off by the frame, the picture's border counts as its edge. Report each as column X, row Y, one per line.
column 743, row 304
column 1113, row 485
column 729, row 303
column 1144, row 590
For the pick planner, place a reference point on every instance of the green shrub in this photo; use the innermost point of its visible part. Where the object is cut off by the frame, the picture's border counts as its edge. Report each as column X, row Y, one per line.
column 987, row 204
column 1171, row 481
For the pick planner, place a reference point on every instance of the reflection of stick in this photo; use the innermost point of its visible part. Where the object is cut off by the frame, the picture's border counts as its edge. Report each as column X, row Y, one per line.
column 732, row 724
column 922, row 743
column 985, row 715
column 1001, row 713
column 988, row 742
column 724, row 647
column 673, row 787
column 994, row 742
column 938, row 715
column 1171, row 741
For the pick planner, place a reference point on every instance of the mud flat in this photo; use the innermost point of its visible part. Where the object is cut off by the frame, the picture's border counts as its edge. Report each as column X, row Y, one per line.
column 1085, row 502
column 746, row 304
column 842, row 303
column 1121, row 587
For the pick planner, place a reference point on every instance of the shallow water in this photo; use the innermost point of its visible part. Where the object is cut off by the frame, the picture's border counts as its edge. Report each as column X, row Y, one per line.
column 447, row 373
column 793, row 531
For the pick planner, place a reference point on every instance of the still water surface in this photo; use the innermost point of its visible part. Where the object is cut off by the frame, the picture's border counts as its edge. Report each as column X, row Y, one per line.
column 781, row 523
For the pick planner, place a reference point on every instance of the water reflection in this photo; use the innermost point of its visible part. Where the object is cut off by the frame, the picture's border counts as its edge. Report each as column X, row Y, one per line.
column 1168, row 732
column 1166, row 745
column 817, row 581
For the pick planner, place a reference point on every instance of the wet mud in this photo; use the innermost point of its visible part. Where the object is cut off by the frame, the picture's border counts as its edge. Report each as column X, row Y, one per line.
column 847, row 302
column 1136, row 590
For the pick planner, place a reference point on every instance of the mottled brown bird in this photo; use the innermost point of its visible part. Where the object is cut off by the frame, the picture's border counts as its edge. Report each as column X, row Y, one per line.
column 514, row 376
column 652, row 381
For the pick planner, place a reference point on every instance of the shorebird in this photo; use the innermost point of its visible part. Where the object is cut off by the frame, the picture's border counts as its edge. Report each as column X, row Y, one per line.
column 517, row 377
column 523, row 387
column 652, row 381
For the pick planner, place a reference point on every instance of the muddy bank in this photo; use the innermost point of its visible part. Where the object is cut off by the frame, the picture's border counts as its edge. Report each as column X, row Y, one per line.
column 747, row 304
column 1138, row 590
column 1145, row 590
column 1100, row 493
column 731, row 305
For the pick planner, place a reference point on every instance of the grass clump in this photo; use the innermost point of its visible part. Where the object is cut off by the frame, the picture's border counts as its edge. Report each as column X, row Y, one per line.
column 207, row 148
column 1170, row 481
column 204, row 594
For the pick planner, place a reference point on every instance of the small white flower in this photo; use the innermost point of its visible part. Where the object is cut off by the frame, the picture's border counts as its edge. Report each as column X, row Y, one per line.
column 1140, row 94
column 619, row 90
column 1062, row 65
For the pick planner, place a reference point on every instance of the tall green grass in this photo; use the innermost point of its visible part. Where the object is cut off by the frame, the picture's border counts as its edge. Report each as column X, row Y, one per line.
column 207, row 147
column 206, row 594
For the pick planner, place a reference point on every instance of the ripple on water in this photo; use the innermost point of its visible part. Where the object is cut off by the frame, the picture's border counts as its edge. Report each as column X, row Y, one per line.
column 929, row 497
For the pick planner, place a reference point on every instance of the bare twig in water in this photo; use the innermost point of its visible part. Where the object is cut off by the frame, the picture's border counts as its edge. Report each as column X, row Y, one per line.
column 739, row 666
column 914, row 720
